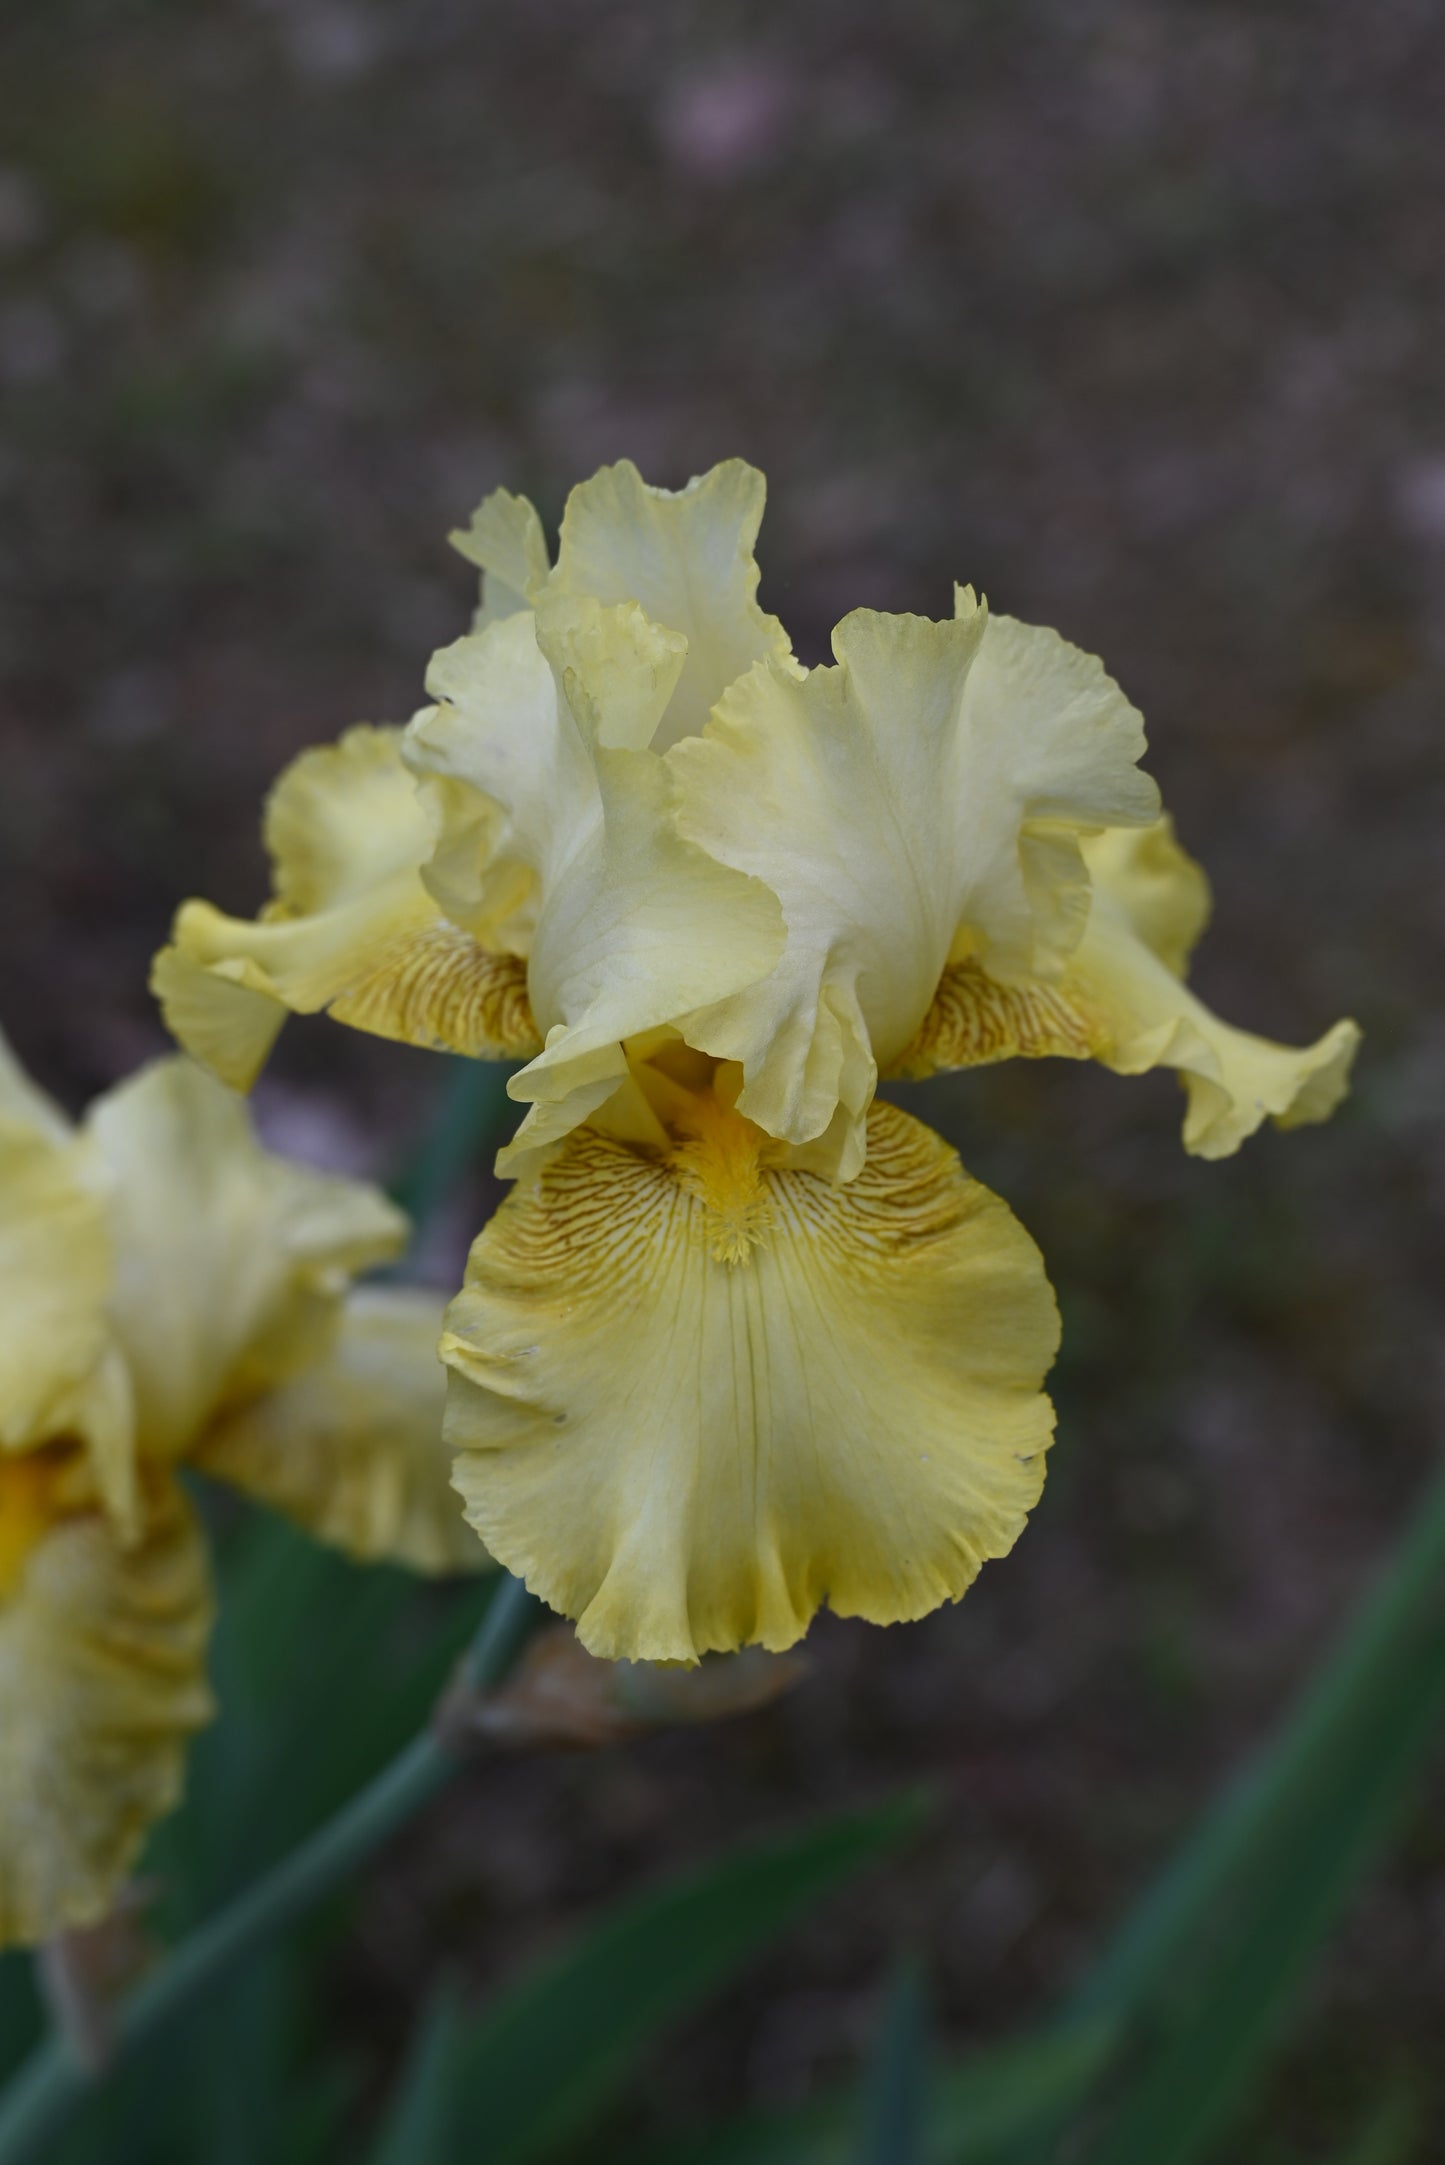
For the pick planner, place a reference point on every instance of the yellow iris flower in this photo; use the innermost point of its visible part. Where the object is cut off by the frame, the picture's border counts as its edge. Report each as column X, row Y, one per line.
column 744, row 1340
column 173, row 1292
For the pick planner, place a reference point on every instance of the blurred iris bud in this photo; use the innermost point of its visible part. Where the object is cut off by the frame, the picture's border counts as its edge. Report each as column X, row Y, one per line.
column 560, row 1695
column 85, row 1971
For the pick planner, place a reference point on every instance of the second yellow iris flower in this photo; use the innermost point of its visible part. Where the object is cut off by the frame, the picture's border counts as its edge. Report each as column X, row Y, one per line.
column 174, row 1294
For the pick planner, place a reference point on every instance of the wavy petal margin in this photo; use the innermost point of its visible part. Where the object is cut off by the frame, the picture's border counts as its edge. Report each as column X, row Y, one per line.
column 549, row 717
column 685, row 556
column 925, row 795
column 823, row 1395
column 231, row 1262
column 352, row 1449
column 351, row 929
column 102, row 1681
column 1123, row 1001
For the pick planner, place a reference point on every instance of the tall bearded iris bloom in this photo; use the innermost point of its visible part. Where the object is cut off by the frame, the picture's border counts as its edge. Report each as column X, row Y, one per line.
column 744, row 1340
column 173, row 1294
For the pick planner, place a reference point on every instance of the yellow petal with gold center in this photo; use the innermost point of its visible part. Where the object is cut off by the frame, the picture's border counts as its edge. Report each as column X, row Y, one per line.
column 697, row 1394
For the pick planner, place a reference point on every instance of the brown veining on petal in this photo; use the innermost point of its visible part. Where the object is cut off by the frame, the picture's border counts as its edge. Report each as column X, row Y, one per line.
column 434, row 985
column 975, row 1019
column 689, row 1451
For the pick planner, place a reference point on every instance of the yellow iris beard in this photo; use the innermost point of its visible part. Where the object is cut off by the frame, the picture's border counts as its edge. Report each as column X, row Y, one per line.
column 29, row 1507
column 719, row 1162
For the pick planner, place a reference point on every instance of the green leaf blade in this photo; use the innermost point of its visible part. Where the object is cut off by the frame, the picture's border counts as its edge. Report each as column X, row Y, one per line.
column 895, row 2101
column 544, row 2059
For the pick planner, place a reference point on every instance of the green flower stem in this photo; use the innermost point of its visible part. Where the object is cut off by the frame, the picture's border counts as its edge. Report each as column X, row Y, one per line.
column 38, row 2103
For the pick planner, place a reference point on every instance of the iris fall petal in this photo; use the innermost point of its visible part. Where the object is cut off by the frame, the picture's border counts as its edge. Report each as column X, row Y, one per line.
column 352, row 1448
column 102, row 1681
column 1123, row 1000
column 697, row 1395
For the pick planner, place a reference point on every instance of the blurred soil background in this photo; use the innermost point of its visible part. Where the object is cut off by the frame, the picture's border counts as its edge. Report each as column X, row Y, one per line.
column 1133, row 315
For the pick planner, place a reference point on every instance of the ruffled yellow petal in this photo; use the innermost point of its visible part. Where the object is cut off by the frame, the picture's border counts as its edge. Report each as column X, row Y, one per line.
column 216, row 1009
column 230, row 1263
column 1149, row 901
column 351, row 929
column 1160, row 888
column 505, row 541
column 635, row 928
column 61, row 1372
column 352, row 1449
column 100, row 1414
column 56, row 1269
column 686, row 557
column 1122, row 1000
column 697, row 1395
column 101, row 1682
column 924, row 796
column 25, row 1103
column 506, row 779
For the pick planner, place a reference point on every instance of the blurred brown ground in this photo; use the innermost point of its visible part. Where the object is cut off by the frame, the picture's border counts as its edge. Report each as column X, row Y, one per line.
column 1131, row 314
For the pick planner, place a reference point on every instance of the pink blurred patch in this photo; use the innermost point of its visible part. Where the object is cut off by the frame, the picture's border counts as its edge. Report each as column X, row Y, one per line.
column 717, row 126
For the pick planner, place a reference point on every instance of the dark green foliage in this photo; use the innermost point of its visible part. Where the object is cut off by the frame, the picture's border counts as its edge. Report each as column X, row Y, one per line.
column 543, row 2059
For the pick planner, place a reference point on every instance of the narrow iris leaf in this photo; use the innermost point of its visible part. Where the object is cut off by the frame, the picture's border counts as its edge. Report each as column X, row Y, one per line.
column 421, row 2125
column 1208, row 1971
column 1390, row 2133
column 20, row 2017
column 541, row 2062
column 982, row 2107
column 894, row 2095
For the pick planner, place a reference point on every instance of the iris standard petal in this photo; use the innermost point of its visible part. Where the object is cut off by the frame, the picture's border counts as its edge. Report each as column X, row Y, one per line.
column 697, row 1395
column 924, row 795
column 351, row 929
column 230, row 1262
column 352, row 1448
column 504, row 539
column 1122, row 1000
column 686, row 557
column 504, row 774
column 102, row 1680
column 549, row 716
